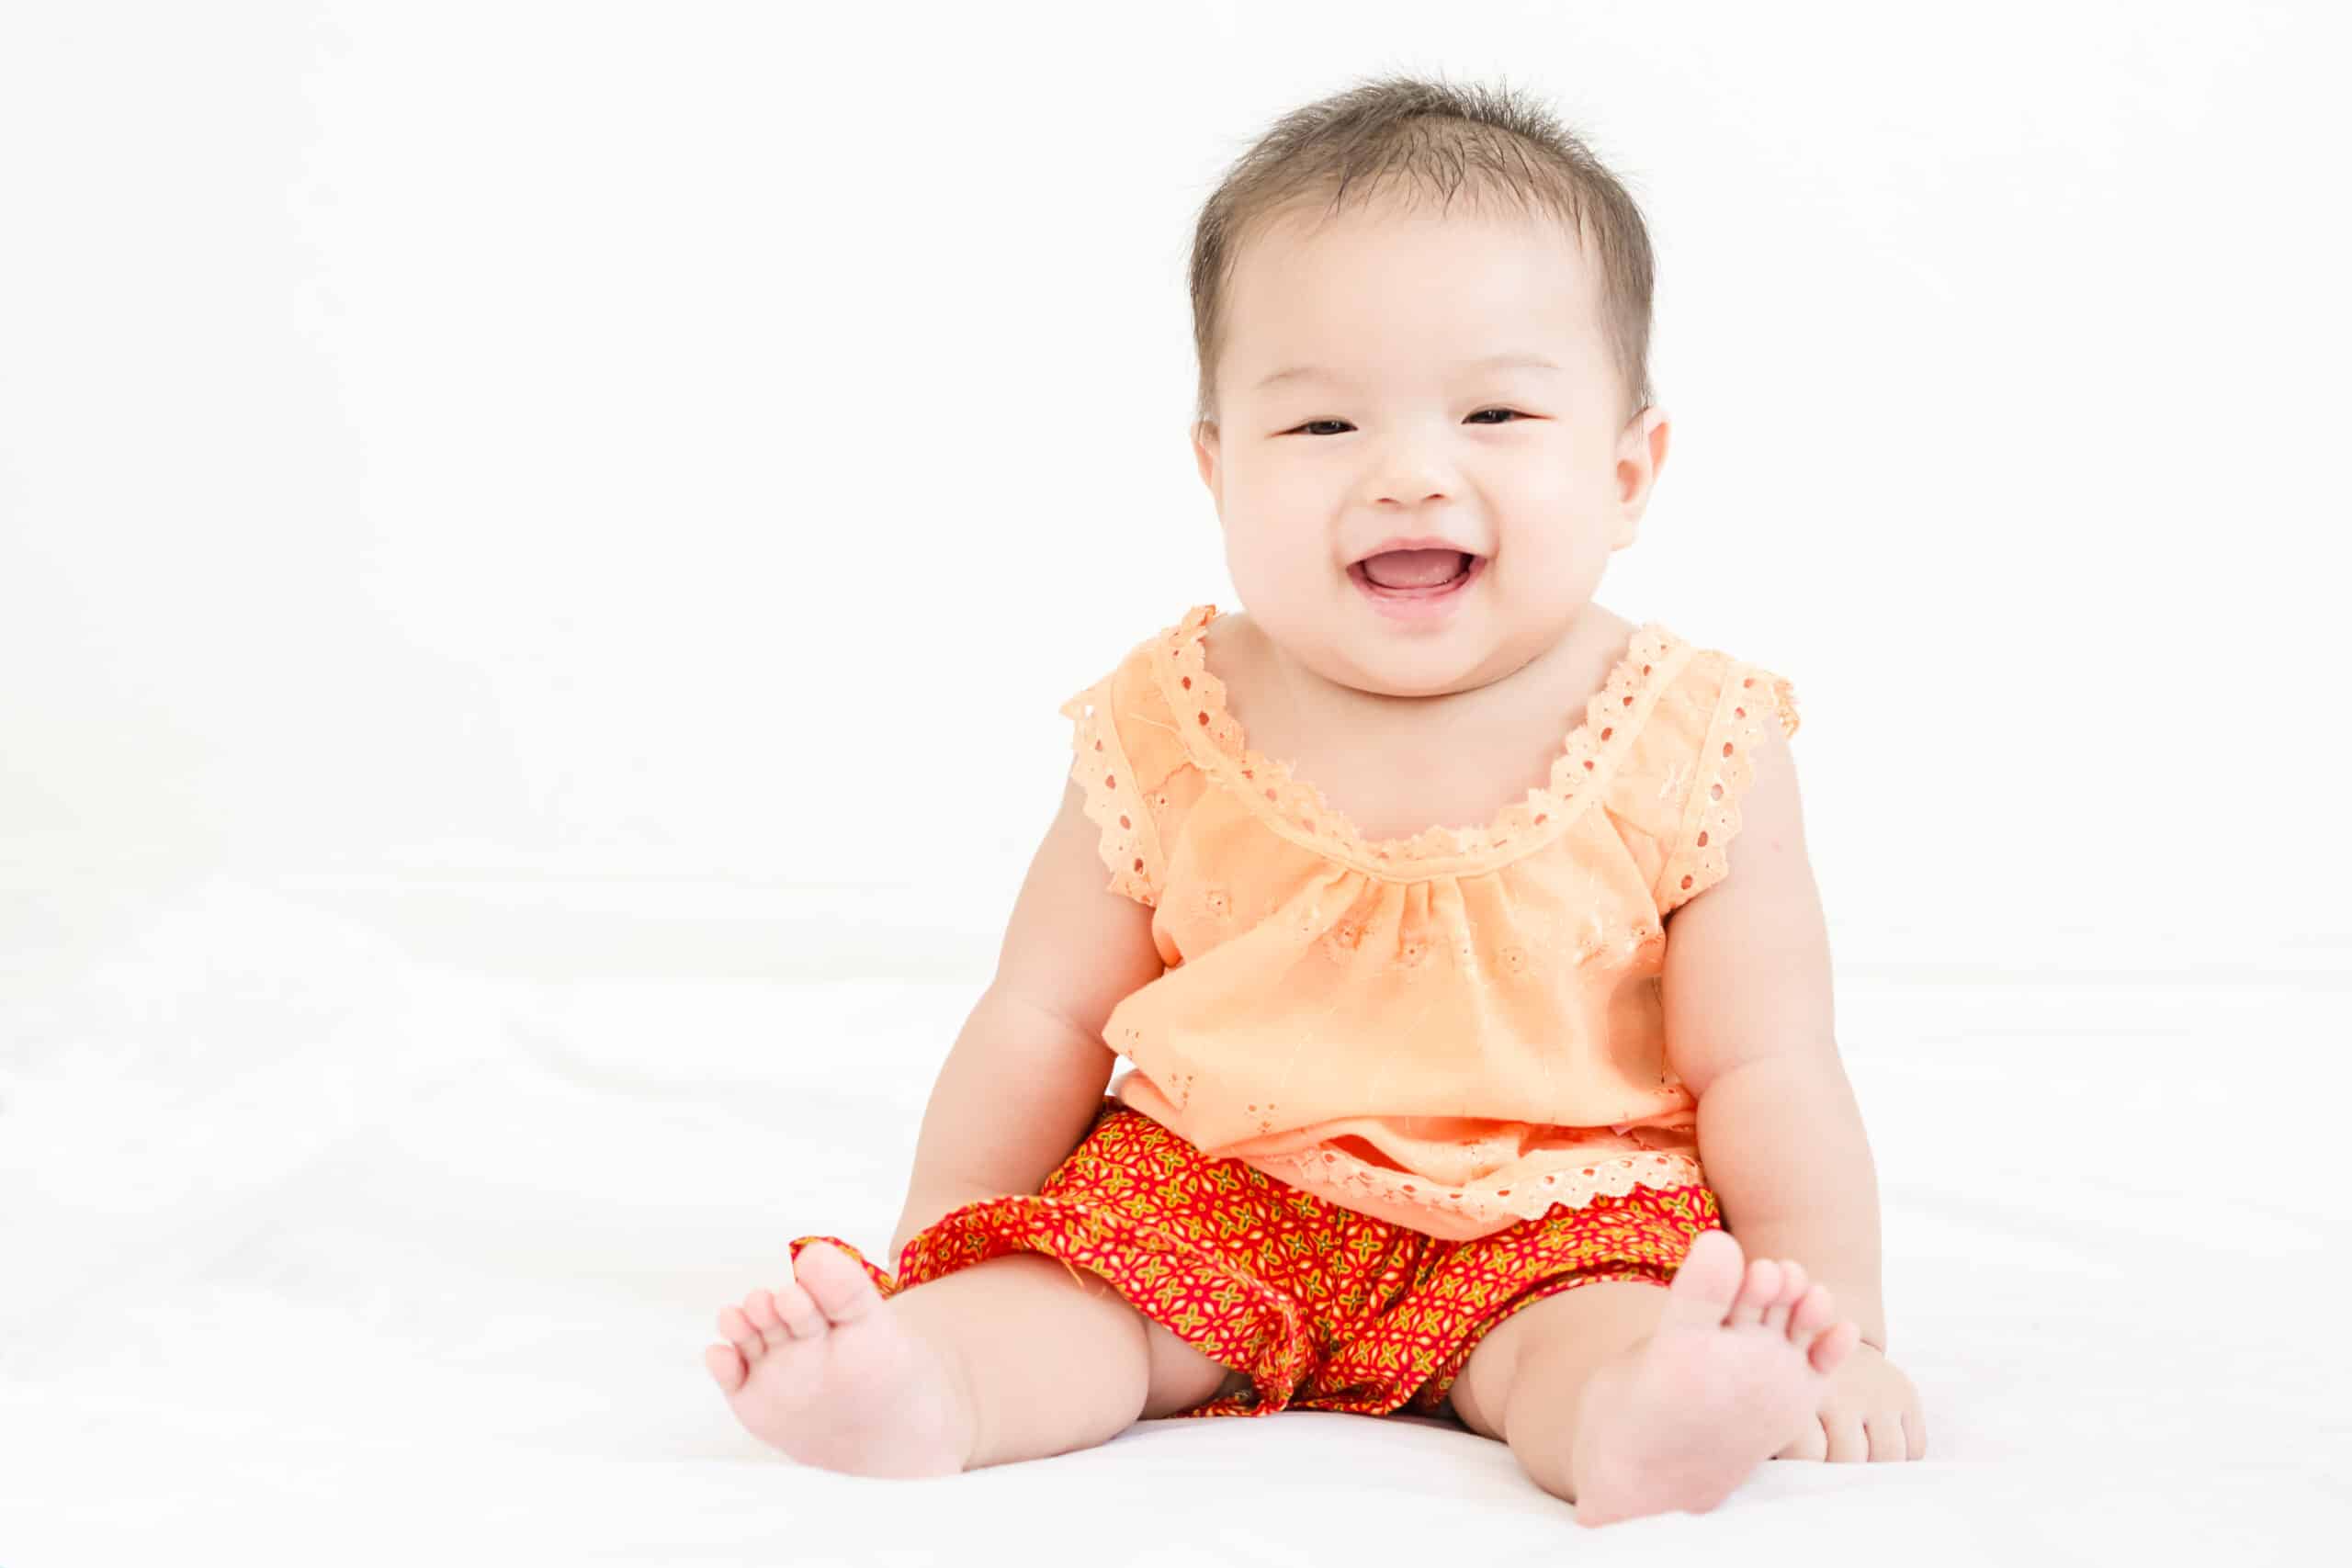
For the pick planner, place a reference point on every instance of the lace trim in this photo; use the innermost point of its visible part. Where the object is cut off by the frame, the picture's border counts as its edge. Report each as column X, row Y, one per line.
column 1129, row 840
column 1725, row 770
column 1296, row 809
column 1527, row 1198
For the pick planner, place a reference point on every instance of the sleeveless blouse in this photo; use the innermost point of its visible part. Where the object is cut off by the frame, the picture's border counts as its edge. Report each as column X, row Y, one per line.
column 1452, row 1032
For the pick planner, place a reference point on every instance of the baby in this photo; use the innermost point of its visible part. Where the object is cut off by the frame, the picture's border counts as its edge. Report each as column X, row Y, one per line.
column 1458, row 1121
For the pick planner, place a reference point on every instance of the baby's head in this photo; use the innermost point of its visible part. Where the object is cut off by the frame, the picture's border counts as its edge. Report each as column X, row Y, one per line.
column 1349, row 276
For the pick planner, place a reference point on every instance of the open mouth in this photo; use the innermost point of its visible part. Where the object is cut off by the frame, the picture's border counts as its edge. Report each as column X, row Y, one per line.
column 1414, row 584
column 1415, row 574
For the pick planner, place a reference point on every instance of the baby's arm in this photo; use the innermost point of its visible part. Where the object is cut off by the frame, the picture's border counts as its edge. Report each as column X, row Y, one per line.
column 1022, row 1085
column 1748, row 1029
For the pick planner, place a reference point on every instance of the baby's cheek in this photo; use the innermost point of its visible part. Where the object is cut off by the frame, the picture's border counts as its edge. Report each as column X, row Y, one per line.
column 1271, row 565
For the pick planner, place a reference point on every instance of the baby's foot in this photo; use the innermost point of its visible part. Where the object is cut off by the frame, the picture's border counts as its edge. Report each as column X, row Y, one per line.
column 1729, row 1376
column 822, row 1370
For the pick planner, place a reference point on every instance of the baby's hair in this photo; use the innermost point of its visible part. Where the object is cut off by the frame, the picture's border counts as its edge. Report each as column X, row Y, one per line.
column 1412, row 136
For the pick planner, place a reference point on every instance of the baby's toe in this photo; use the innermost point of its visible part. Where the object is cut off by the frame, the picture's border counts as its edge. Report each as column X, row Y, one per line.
column 802, row 1319
column 728, row 1366
column 837, row 1283
column 1827, row 1348
column 1815, row 1311
column 1792, row 1289
column 1756, row 1292
column 1705, row 1282
column 739, row 1332
column 760, row 1307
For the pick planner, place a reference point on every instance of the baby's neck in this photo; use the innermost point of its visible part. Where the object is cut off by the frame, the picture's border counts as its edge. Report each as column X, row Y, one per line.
column 1384, row 761
column 1281, row 694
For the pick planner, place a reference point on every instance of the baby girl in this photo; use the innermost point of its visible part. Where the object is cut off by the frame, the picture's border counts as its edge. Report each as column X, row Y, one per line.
column 1536, row 1123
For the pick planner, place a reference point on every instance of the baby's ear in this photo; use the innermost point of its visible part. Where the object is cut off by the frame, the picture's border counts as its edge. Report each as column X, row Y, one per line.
column 1204, row 454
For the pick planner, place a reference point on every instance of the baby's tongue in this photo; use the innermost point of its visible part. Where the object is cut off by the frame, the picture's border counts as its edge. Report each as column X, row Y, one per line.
column 1413, row 568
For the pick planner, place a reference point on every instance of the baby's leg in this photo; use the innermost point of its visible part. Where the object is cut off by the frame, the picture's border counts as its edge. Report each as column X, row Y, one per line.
column 1626, row 1400
column 1007, row 1360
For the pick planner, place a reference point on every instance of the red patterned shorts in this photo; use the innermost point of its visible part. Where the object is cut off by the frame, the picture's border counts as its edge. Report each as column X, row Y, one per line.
column 1321, row 1307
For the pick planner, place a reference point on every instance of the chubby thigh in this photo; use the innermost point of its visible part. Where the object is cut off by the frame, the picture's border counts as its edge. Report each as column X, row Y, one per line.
column 1181, row 1377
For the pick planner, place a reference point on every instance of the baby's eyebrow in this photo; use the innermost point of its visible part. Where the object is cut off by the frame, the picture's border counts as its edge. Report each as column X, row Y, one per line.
column 1492, row 361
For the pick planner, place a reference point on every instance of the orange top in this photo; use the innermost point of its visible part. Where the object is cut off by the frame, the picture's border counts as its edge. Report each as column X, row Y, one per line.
column 1451, row 1031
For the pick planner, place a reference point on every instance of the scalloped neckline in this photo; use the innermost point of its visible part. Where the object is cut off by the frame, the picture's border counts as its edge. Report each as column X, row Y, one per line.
column 1651, row 648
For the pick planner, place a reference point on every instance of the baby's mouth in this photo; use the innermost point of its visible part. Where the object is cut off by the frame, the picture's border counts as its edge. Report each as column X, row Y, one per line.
column 1414, row 573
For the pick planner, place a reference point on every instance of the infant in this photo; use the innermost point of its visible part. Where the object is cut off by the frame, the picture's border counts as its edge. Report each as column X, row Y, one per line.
column 1444, row 1119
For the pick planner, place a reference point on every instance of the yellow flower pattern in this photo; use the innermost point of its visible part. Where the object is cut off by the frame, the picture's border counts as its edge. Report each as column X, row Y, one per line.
column 1322, row 1307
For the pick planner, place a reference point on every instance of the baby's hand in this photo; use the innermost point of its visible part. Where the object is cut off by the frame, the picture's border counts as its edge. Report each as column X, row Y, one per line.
column 1869, row 1412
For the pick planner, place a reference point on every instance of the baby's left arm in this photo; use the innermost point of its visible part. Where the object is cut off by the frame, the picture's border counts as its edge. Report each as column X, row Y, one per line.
column 1747, row 997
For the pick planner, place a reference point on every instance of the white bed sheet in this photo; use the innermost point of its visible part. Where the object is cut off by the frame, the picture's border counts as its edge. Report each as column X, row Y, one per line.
column 318, row 1251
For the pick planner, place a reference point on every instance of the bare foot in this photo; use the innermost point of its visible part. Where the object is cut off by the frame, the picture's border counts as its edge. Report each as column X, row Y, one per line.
column 1739, row 1362
column 821, row 1371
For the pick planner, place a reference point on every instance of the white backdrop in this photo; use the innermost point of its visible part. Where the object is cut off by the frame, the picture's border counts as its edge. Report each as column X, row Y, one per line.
column 598, row 486
column 540, row 545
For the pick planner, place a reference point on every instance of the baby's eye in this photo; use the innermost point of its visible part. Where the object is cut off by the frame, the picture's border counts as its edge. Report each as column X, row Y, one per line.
column 1312, row 422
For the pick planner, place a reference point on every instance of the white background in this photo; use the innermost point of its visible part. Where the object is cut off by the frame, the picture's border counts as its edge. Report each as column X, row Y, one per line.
column 615, row 487
column 539, row 548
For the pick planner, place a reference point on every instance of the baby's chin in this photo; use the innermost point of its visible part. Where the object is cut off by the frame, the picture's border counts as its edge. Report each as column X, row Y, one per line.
column 1465, row 654
column 1472, row 651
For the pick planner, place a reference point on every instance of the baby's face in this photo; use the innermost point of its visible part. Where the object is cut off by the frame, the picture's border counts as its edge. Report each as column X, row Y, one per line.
column 1397, row 431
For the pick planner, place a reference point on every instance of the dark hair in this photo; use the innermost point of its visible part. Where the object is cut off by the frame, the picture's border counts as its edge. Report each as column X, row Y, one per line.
column 1420, row 136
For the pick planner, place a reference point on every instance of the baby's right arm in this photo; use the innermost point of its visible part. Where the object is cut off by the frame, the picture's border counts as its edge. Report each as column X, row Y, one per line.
column 1020, row 1089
